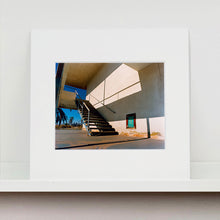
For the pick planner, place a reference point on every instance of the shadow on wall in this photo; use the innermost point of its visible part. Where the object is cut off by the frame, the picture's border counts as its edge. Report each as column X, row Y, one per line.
column 147, row 103
column 145, row 96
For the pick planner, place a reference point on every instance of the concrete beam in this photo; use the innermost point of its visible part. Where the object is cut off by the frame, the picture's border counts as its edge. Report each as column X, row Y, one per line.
column 67, row 100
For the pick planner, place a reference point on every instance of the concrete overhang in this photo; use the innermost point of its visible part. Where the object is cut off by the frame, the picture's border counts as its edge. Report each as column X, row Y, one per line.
column 138, row 66
column 79, row 74
column 67, row 100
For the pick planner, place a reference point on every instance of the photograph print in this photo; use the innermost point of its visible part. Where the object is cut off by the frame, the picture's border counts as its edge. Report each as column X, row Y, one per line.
column 109, row 106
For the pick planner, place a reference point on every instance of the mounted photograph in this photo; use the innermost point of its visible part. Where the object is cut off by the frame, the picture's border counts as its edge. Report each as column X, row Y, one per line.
column 109, row 106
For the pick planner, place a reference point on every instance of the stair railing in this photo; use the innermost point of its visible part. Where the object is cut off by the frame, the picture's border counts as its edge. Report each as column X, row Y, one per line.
column 103, row 104
column 82, row 107
column 88, row 113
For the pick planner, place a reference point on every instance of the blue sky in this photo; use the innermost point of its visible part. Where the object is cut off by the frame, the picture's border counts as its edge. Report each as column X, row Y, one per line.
column 73, row 113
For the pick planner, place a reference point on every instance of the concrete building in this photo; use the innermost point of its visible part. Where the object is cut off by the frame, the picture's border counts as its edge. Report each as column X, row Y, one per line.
column 129, row 96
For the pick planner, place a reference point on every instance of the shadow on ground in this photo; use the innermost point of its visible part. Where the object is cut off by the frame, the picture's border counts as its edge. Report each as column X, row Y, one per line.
column 78, row 139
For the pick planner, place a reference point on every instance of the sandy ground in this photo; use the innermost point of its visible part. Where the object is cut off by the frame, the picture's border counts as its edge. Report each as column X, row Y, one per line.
column 78, row 139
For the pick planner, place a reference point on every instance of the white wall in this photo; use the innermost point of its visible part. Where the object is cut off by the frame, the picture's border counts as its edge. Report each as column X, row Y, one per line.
column 19, row 17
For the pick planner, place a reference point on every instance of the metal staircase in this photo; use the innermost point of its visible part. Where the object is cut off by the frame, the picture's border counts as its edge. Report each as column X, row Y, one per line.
column 95, row 124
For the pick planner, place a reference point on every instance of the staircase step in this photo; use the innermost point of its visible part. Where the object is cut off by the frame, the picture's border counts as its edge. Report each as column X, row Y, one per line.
column 102, row 129
column 94, row 120
column 98, row 122
column 98, row 126
column 103, row 124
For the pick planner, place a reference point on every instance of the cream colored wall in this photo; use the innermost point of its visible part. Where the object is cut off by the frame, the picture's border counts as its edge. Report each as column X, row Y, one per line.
column 125, row 90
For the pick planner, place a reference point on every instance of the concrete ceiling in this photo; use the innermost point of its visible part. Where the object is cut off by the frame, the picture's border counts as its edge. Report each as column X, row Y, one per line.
column 79, row 74
column 138, row 66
